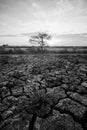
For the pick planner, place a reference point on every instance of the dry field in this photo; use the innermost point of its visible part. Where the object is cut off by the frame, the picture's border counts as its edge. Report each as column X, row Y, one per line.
column 43, row 92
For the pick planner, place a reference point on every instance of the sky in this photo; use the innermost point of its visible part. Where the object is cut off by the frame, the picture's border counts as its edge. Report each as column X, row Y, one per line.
column 65, row 20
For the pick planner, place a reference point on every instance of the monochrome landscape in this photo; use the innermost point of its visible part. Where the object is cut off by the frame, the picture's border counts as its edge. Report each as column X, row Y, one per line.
column 43, row 65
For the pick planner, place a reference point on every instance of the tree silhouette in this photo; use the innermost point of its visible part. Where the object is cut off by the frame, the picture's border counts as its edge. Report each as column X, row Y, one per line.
column 40, row 39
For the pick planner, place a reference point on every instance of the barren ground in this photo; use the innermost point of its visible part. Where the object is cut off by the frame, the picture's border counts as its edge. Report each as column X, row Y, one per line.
column 43, row 92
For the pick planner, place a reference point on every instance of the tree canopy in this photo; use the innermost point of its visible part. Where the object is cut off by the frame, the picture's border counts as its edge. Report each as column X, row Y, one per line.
column 40, row 39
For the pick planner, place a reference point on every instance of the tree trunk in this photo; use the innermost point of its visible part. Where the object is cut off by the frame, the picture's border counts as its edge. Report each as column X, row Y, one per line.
column 42, row 44
column 31, row 125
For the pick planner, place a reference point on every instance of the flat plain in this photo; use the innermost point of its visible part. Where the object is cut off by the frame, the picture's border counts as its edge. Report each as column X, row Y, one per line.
column 43, row 92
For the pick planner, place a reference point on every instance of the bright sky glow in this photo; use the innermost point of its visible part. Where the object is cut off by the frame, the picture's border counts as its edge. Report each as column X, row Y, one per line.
column 20, row 18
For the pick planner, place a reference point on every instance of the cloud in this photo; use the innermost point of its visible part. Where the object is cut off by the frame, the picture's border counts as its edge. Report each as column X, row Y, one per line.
column 9, row 35
column 27, row 34
column 77, row 35
column 55, row 16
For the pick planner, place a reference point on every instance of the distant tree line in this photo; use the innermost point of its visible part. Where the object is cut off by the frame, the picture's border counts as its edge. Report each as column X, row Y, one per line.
column 38, row 49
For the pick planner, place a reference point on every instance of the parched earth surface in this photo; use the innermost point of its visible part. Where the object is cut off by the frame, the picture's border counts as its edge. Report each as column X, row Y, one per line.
column 43, row 92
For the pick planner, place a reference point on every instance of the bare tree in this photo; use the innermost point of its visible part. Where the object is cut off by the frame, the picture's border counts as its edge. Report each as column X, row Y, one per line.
column 40, row 40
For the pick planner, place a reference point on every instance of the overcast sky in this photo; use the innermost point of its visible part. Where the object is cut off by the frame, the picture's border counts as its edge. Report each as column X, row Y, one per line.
column 19, row 18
